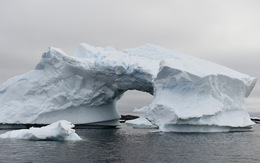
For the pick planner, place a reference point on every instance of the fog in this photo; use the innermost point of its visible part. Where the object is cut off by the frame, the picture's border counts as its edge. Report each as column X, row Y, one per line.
column 223, row 31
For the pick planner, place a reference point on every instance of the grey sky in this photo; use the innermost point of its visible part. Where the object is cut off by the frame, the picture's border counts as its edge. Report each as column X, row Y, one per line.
column 223, row 31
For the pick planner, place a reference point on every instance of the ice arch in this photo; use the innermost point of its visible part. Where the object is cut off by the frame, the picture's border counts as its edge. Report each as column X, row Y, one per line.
column 83, row 89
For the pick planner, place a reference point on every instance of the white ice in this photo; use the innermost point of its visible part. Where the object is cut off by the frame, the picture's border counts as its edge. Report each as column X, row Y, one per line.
column 141, row 123
column 58, row 131
column 85, row 88
column 144, row 109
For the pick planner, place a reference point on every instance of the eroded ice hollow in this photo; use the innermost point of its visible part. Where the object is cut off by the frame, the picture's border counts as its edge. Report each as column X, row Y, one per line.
column 190, row 94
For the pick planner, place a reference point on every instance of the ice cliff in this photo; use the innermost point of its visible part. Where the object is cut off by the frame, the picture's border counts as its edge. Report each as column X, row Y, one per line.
column 190, row 94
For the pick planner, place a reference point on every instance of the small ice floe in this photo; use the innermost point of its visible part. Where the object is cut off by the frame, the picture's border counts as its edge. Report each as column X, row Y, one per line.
column 255, row 119
column 57, row 131
column 144, row 109
column 141, row 122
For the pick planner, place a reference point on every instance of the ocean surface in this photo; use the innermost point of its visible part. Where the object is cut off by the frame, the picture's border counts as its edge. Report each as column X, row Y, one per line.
column 126, row 144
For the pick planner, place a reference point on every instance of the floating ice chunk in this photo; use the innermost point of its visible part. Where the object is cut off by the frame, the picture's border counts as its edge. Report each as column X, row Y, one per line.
column 140, row 122
column 256, row 118
column 141, row 110
column 58, row 131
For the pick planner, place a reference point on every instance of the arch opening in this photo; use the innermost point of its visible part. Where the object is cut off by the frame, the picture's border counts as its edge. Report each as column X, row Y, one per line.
column 132, row 99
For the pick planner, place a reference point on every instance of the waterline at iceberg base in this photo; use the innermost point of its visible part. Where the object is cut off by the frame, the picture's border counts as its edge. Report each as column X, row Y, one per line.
column 190, row 94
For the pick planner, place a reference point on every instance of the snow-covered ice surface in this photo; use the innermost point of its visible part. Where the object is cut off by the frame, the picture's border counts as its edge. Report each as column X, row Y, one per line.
column 57, row 131
column 83, row 89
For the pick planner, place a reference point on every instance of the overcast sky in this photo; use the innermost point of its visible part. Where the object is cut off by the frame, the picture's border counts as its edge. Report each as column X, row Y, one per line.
column 223, row 31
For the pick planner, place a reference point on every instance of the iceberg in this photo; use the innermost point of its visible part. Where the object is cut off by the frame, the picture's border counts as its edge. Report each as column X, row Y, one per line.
column 84, row 89
column 57, row 131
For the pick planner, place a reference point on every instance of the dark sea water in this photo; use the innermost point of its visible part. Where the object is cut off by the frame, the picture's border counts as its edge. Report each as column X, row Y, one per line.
column 138, row 145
